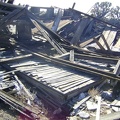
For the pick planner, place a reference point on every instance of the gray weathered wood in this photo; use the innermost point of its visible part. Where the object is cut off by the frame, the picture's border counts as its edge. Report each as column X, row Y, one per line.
column 71, row 56
column 85, row 43
column 23, row 87
column 106, row 43
column 99, row 44
column 117, row 68
column 15, row 58
column 57, row 20
column 59, row 49
column 83, row 23
column 98, row 109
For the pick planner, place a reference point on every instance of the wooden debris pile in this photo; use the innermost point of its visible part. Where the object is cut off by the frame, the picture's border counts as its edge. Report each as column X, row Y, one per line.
column 77, row 72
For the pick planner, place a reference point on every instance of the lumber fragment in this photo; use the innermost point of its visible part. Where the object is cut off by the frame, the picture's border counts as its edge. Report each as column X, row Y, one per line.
column 85, row 43
column 63, row 56
column 19, row 106
column 4, row 11
column 58, row 48
column 111, row 37
column 24, row 88
column 117, row 68
column 98, row 59
column 98, row 109
column 117, row 45
column 102, row 21
column 99, row 44
column 71, row 55
column 15, row 58
column 79, row 30
column 23, row 30
column 108, row 47
column 52, row 34
column 11, row 5
column 11, row 16
column 57, row 20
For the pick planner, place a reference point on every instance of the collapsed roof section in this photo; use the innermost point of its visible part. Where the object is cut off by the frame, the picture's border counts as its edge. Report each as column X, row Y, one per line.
column 52, row 37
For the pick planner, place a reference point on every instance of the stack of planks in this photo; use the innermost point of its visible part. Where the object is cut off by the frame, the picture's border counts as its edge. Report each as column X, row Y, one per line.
column 58, row 83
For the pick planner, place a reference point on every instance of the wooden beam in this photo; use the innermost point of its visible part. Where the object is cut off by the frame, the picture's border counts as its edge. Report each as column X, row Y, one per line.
column 63, row 56
column 4, row 11
column 57, row 20
column 56, row 45
column 71, row 56
column 52, row 34
column 99, row 59
column 85, row 43
column 12, row 16
column 11, row 5
column 95, row 18
column 83, row 23
column 15, row 58
column 23, row 87
column 98, row 109
column 105, row 41
column 98, row 43
column 117, row 68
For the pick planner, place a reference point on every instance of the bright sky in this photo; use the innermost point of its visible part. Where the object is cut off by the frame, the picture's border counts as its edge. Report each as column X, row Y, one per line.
column 81, row 5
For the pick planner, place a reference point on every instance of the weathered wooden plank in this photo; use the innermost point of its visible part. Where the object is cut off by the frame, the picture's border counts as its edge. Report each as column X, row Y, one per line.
column 52, row 34
column 81, row 84
column 80, row 30
column 75, row 83
column 27, row 69
column 84, row 85
column 63, row 56
column 11, row 5
column 56, row 78
column 49, row 74
column 4, row 11
column 117, row 45
column 58, row 48
column 117, row 68
column 29, row 63
column 63, row 23
column 81, row 102
column 100, row 20
column 19, row 104
column 71, row 56
column 105, row 33
column 57, row 20
column 112, row 37
column 107, row 38
column 66, row 80
column 106, row 42
column 99, row 44
column 85, row 43
column 12, row 16
column 15, row 58
column 73, row 92
column 98, row 59
column 98, row 109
